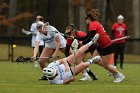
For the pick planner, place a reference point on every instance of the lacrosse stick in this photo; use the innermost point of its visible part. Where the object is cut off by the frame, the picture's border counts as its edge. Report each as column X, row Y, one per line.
column 125, row 37
column 74, row 46
column 22, row 59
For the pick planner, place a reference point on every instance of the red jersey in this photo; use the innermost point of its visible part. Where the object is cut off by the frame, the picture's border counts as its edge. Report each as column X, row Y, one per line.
column 104, row 40
column 119, row 31
column 79, row 36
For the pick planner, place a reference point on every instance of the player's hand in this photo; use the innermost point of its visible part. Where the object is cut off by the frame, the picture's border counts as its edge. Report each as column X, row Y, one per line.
column 67, row 68
column 53, row 57
column 80, row 43
column 33, row 58
column 73, row 78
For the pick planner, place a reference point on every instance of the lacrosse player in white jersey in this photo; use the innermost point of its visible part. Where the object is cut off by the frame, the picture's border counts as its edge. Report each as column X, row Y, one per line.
column 60, row 72
column 54, row 42
column 33, row 31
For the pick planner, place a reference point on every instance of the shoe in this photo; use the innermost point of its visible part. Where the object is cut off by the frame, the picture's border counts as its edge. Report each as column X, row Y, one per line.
column 43, row 78
column 94, row 59
column 95, row 38
column 119, row 77
column 85, row 79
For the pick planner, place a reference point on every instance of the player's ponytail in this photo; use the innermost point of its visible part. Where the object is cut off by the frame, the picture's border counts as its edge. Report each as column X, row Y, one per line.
column 93, row 14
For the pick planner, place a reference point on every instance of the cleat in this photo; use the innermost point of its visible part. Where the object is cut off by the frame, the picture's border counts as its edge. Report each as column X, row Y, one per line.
column 85, row 79
column 119, row 78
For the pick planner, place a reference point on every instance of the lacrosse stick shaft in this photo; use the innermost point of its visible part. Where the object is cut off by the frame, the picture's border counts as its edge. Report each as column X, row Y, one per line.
column 75, row 46
column 125, row 37
column 46, row 57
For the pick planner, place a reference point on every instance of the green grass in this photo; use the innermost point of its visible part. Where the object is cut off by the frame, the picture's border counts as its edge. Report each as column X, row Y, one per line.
column 28, row 52
column 23, row 78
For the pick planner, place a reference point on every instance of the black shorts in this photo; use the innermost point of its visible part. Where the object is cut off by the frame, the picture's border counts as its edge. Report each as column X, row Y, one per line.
column 91, row 48
column 105, row 51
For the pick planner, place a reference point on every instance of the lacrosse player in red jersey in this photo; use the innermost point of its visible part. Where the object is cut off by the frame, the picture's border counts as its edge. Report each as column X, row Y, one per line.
column 71, row 34
column 119, row 29
column 61, row 72
column 105, row 46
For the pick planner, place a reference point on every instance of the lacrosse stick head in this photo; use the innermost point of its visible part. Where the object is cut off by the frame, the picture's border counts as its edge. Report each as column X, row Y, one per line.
column 75, row 44
column 22, row 59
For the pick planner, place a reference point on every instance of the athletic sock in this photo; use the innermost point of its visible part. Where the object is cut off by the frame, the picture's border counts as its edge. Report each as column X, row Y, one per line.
column 90, row 43
column 91, row 74
column 94, row 59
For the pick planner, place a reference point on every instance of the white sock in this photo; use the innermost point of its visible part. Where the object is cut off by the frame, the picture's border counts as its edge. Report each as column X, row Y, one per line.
column 90, row 43
column 87, row 69
column 85, row 74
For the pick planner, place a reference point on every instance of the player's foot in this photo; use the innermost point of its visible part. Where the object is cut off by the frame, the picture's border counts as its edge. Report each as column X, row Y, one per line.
column 95, row 38
column 86, row 77
column 94, row 59
column 118, row 77
column 43, row 78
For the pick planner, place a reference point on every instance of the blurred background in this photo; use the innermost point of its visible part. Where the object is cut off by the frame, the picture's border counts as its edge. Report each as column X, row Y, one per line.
column 18, row 14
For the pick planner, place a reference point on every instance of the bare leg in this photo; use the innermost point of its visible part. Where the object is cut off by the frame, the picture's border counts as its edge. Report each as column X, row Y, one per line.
column 105, row 62
column 45, row 53
column 81, row 67
column 80, row 54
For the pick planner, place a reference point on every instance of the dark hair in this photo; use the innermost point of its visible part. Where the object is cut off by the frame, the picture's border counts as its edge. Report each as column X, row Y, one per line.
column 93, row 14
column 40, row 18
column 71, row 26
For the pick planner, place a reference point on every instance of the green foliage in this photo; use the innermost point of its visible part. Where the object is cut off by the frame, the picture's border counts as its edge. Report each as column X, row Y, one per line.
column 23, row 78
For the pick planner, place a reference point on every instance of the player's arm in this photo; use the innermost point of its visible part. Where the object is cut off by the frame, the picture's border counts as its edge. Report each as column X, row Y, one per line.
column 89, row 36
column 35, row 52
column 112, row 34
column 68, row 81
column 33, row 30
column 37, row 42
column 68, row 46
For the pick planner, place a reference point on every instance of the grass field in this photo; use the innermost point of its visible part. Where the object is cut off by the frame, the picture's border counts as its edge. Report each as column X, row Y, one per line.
column 23, row 78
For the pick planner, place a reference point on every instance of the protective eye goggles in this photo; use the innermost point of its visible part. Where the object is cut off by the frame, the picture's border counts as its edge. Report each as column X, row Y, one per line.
column 86, row 18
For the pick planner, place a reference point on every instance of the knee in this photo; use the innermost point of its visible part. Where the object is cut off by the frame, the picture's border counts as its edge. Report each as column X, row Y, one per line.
column 41, row 61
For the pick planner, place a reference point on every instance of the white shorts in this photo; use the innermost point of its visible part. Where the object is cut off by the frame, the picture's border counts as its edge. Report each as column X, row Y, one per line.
column 52, row 45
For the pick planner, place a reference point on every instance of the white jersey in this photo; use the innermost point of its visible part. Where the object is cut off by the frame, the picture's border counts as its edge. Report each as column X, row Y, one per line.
column 62, row 75
column 34, row 29
column 49, row 39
